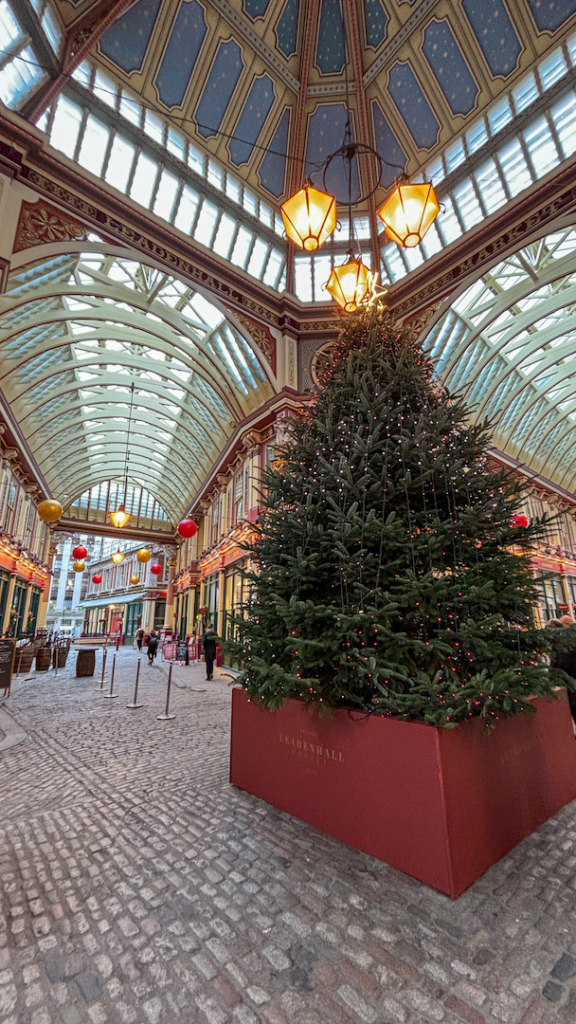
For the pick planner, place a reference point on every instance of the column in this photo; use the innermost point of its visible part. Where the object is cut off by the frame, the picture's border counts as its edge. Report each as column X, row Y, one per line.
column 169, row 614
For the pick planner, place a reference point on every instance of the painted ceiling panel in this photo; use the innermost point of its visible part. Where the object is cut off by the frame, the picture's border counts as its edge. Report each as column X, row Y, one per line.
column 388, row 147
column 219, row 88
column 272, row 172
column 331, row 48
column 449, row 67
column 249, row 125
column 326, row 129
column 375, row 21
column 256, row 8
column 181, row 53
column 495, row 33
column 551, row 14
column 413, row 106
column 287, row 28
column 126, row 41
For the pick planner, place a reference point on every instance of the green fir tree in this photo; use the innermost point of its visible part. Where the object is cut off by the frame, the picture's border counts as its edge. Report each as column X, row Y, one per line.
column 387, row 573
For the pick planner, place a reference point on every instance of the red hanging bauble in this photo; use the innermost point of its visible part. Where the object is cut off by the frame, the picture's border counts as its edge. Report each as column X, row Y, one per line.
column 79, row 552
column 187, row 528
column 519, row 519
column 97, row 578
column 156, row 569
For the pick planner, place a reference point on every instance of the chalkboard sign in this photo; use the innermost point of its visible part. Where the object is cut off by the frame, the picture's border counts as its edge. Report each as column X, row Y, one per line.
column 7, row 649
column 181, row 652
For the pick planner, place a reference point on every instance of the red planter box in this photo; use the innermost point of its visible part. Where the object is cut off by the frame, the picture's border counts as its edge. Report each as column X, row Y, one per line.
column 442, row 805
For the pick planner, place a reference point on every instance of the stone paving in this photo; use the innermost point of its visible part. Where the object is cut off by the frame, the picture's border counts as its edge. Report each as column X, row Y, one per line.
column 138, row 887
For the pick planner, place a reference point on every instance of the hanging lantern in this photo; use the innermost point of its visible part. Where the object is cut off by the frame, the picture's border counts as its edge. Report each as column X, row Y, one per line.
column 351, row 284
column 50, row 510
column 156, row 569
column 144, row 555
column 409, row 212
column 97, row 578
column 79, row 551
column 134, row 579
column 79, row 566
column 120, row 517
column 187, row 528
column 117, row 557
column 518, row 519
column 309, row 217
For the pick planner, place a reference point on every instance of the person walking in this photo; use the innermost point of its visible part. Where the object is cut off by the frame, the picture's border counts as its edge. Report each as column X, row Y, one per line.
column 152, row 646
column 139, row 638
column 209, row 640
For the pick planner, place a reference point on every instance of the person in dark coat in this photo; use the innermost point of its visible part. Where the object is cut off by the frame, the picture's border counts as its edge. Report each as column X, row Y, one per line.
column 139, row 638
column 152, row 646
column 209, row 641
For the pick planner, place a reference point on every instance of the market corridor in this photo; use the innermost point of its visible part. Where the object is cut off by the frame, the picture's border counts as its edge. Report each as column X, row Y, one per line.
column 137, row 886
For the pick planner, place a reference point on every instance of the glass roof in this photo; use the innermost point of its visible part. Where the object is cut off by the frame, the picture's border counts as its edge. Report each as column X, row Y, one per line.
column 77, row 329
column 508, row 343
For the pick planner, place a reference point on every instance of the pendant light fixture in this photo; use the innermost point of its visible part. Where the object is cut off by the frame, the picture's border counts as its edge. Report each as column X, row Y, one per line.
column 309, row 217
column 408, row 212
column 310, row 214
column 120, row 517
column 117, row 557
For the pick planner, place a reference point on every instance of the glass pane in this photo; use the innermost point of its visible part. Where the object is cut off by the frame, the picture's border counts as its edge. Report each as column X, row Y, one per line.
column 94, row 143
column 490, row 186
column 53, row 29
column 66, row 126
column 514, row 167
column 525, row 93
column 19, row 77
column 196, row 159
column 224, row 235
column 105, row 89
column 303, row 278
column 275, row 261
column 176, row 144
column 130, row 108
column 242, row 246
column 9, row 28
column 552, row 68
column 454, row 155
column 541, row 146
column 154, row 126
column 215, row 175
column 144, row 180
column 120, row 163
column 166, row 194
column 204, row 229
column 447, row 221
column 499, row 115
column 477, row 135
column 259, row 253
column 186, row 212
column 564, row 116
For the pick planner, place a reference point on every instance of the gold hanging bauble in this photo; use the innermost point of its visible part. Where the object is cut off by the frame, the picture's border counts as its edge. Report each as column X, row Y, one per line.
column 50, row 510
column 79, row 566
column 144, row 555
column 134, row 579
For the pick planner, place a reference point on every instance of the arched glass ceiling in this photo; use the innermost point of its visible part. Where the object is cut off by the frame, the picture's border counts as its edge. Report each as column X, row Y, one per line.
column 77, row 329
column 509, row 343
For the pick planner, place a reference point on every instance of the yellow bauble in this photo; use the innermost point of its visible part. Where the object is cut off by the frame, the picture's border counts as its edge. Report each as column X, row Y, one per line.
column 79, row 566
column 144, row 555
column 134, row 579
column 50, row 510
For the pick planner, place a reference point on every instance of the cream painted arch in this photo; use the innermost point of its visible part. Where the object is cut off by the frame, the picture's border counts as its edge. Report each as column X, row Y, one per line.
column 78, row 323
column 507, row 341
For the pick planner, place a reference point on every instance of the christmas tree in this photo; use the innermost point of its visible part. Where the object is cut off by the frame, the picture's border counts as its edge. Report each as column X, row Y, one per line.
column 389, row 573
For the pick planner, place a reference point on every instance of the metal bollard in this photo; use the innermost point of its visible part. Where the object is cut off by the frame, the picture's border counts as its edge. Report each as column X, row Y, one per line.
column 109, row 696
column 165, row 717
column 104, row 656
column 135, row 703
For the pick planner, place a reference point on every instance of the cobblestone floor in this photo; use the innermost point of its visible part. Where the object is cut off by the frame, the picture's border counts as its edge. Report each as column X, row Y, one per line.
column 137, row 886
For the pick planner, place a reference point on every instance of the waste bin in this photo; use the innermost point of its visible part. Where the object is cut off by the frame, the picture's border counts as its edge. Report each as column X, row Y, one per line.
column 86, row 661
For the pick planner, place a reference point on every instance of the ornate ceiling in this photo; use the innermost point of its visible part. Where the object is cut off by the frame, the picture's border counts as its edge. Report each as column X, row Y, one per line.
column 77, row 329
column 253, row 80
